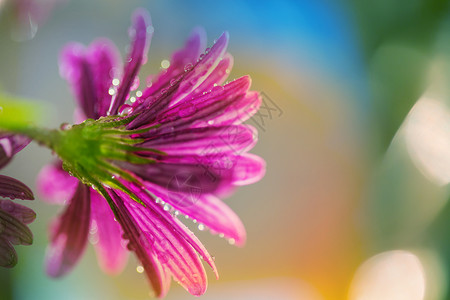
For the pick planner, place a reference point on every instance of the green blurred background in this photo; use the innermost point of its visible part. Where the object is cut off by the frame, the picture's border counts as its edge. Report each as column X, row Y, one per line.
column 356, row 136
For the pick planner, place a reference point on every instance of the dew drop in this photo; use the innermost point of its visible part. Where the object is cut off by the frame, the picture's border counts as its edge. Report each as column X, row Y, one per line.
column 201, row 227
column 188, row 67
column 221, row 235
column 130, row 246
column 115, row 82
column 176, row 212
column 207, row 50
column 138, row 94
column 165, row 64
column 111, row 91
column 194, row 221
column 231, row 241
column 166, row 207
column 201, row 56
column 140, row 269
column 132, row 99
column 163, row 91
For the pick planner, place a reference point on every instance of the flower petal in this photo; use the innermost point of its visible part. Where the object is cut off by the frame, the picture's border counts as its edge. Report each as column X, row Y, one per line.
column 55, row 185
column 196, row 112
column 184, row 86
column 75, row 68
column 140, row 34
column 107, row 234
column 104, row 61
column 9, row 146
column 157, row 274
column 177, row 226
column 201, row 141
column 249, row 168
column 207, row 210
column 8, row 256
column 172, row 250
column 217, row 77
column 22, row 213
column 180, row 177
column 14, row 189
column 68, row 236
column 179, row 62
column 202, row 70
column 13, row 229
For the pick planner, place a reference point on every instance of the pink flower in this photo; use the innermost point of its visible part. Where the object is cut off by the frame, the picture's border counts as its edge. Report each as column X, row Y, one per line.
column 192, row 149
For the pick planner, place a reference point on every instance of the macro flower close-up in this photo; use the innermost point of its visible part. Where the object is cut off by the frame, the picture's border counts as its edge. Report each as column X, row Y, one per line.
column 224, row 150
column 129, row 170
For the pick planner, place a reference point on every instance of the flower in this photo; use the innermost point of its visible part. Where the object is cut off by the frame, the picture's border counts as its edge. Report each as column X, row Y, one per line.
column 172, row 150
column 13, row 217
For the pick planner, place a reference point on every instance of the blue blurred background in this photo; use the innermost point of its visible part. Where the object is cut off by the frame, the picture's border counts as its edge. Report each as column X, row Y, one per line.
column 354, row 203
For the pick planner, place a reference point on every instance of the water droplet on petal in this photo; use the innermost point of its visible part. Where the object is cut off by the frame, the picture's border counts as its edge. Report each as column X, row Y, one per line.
column 115, row 82
column 201, row 227
column 188, row 67
column 140, row 269
column 165, row 64
column 231, row 241
column 138, row 94
column 111, row 91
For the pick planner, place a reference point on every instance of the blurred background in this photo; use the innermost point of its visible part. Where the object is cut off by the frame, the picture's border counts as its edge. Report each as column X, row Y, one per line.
column 355, row 130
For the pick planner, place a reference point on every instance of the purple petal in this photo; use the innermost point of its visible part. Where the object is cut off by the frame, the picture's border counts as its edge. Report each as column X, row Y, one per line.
column 140, row 35
column 14, row 189
column 183, row 88
column 197, row 111
column 157, row 274
column 104, row 61
column 171, row 248
column 249, row 168
column 203, row 70
column 177, row 226
column 55, row 185
column 8, row 256
column 75, row 68
column 205, row 209
column 9, row 146
column 181, row 61
column 217, row 77
column 107, row 236
column 13, row 229
column 22, row 213
column 68, row 235
column 179, row 177
column 200, row 141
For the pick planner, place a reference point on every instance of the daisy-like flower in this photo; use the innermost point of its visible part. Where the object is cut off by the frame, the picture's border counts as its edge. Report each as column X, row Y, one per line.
column 140, row 159
column 13, row 217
